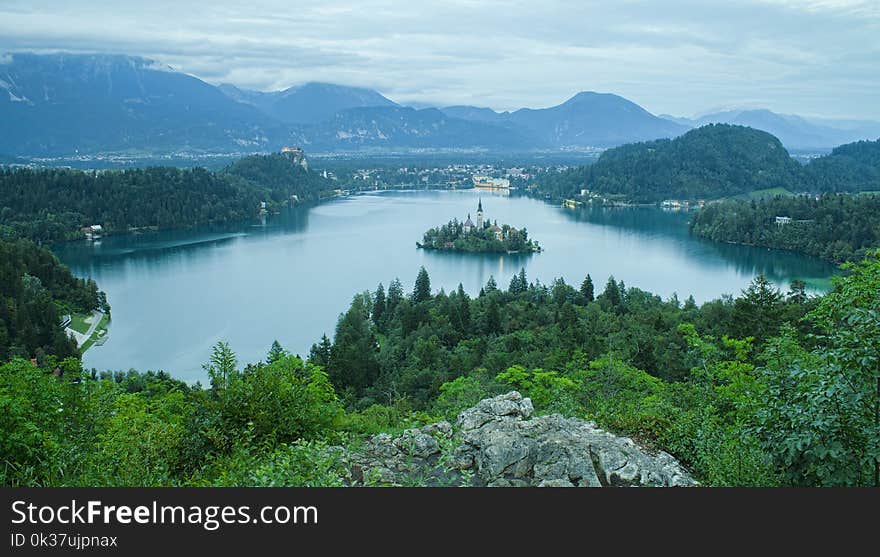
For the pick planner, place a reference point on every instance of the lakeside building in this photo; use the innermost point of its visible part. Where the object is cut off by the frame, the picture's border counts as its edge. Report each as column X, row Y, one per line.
column 487, row 183
column 92, row 232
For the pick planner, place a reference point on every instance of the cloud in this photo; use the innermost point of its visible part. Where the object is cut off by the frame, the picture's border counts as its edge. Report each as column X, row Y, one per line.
column 817, row 57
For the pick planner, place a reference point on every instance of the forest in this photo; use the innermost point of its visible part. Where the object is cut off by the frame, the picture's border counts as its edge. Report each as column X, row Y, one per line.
column 35, row 291
column 835, row 227
column 768, row 388
column 491, row 238
column 853, row 167
column 53, row 204
column 713, row 162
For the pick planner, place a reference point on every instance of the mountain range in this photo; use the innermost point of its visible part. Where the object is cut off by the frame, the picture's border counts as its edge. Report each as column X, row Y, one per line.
column 63, row 104
column 795, row 132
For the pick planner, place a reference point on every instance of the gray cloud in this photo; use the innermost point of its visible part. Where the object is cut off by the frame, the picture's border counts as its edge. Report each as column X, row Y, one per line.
column 814, row 57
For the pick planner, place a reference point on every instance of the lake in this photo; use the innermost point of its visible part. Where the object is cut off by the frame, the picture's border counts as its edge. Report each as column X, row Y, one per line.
column 174, row 294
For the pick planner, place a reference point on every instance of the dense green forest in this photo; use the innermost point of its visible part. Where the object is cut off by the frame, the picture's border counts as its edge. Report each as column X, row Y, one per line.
column 767, row 388
column 712, row 162
column 707, row 163
column 835, row 227
column 853, row 167
column 491, row 238
column 35, row 291
column 53, row 204
column 281, row 176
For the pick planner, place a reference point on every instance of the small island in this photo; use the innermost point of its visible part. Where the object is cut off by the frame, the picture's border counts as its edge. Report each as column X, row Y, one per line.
column 478, row 237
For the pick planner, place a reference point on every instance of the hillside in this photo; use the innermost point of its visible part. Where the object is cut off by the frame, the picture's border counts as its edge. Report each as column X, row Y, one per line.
column 281, row 175
column 63, row 103
column 714, row 161
column 35, row 291
column 407, row 128
column 80, row 104
column 70, row 104
column 591, row 119
column 587, row 119
column 795, row 132
column 309, row 103
column 837, row 228
column 849, row 168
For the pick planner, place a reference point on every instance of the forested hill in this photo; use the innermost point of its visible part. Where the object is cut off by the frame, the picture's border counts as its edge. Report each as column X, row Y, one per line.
column 849, row 168
column 53, row 204
column 283, row 174
column 835, row 227
column 712, row 162
column 35, row 291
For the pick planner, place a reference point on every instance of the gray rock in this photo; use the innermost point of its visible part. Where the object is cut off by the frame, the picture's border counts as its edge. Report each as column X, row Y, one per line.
column 511, row 405
column 441, row 430
column 414, row 442
column 500, row 444
column 503, row 482
column 555, row 483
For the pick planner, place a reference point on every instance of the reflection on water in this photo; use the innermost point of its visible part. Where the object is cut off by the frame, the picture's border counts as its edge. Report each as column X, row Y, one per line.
column 779, row 266
column 176, row 293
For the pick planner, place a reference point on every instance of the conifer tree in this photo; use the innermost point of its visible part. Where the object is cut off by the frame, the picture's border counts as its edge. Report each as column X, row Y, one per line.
column 422, row 289
column 379, row 306
column 587, row 289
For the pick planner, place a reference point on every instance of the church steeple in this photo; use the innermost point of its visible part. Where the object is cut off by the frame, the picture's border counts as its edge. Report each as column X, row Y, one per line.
column 480, row 205
column 480, row 214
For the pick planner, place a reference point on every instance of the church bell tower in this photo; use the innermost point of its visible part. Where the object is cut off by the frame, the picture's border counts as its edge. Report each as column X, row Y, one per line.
column 480, row 214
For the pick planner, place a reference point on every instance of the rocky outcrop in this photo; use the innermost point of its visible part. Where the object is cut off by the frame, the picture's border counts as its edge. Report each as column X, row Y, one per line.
column 498, row 443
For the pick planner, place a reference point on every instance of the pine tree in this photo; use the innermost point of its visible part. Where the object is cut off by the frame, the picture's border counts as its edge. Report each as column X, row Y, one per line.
column 493, row 317
column 612, row 292
column 353, row 360
column 587, row 289
column 379, row 307
column 422, row 289
column 491, row 285
column 319, row 354
column 395, row 296
column 757, row 313
column 463, row 310
column 798, row 291
column 276, row 352
column 519, row 283
column 514, row 286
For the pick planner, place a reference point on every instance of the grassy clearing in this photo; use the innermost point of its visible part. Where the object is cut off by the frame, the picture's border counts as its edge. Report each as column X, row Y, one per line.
column 78, row 322
column 99, row 331
column 769, row 192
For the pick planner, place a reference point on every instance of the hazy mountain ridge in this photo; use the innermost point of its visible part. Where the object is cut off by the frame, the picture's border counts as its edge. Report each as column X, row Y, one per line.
column 63, row 104
column 70, row 103
column 309, row 103
column 795, row 132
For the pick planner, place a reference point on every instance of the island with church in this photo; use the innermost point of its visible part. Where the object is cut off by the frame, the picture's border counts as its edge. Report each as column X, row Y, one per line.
column 481, row 236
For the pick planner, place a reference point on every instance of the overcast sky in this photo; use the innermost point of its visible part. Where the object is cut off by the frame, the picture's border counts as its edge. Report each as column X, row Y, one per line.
column 681, row 57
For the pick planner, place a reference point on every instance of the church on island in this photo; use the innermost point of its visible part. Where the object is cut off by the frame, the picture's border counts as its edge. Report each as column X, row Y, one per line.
column 478, row 237
column 469, row 225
